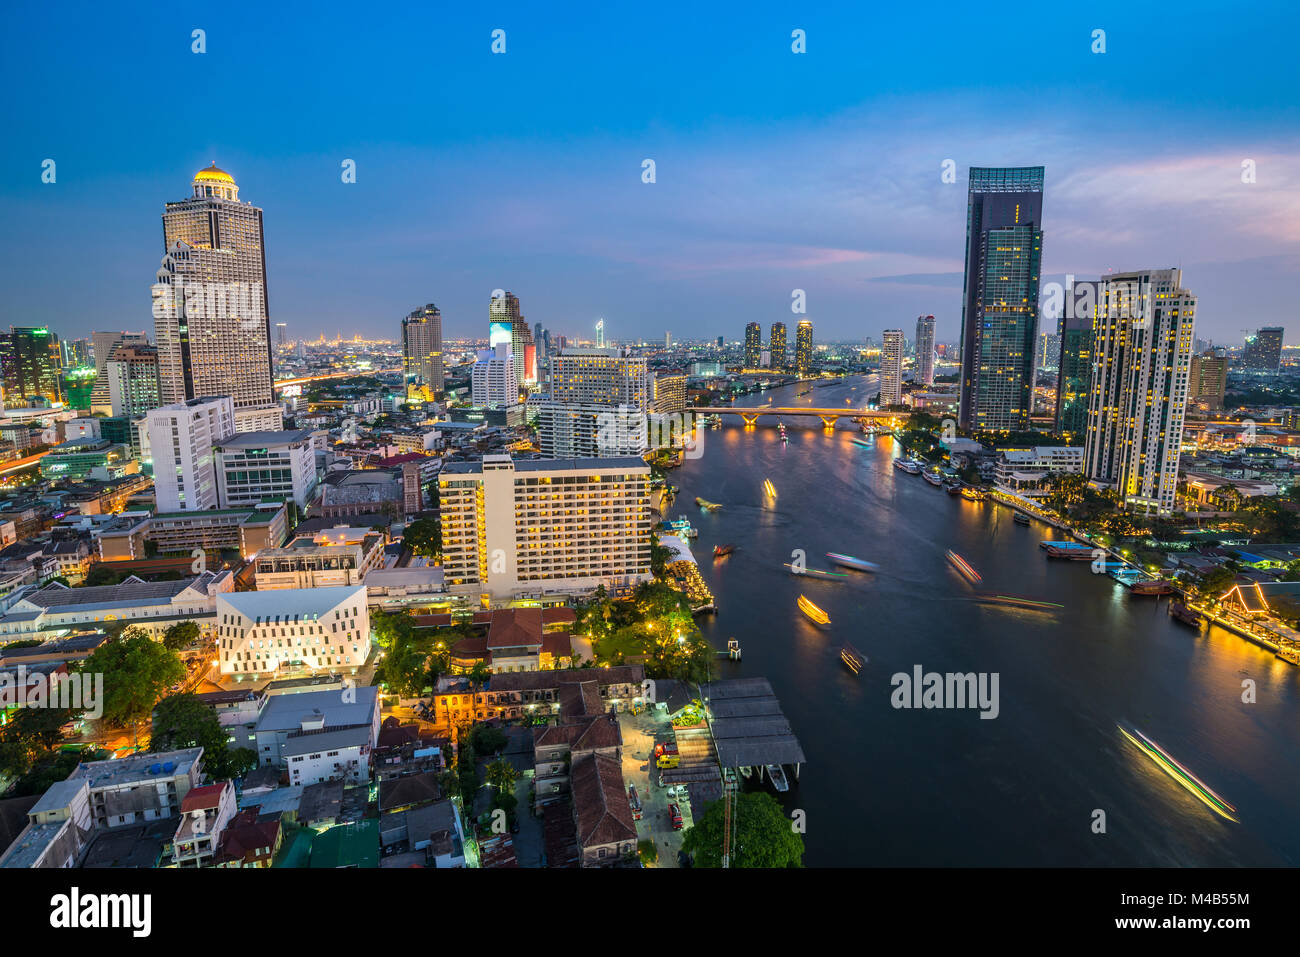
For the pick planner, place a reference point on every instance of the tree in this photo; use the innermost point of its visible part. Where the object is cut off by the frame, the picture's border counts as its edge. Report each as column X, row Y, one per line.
column 763, row 835
column 181, row 635
column 137, row 670
column 183, row 721
column 487, row 739
column 29, row 737
column 479, row 675
column 424, row 537
column 502, row 775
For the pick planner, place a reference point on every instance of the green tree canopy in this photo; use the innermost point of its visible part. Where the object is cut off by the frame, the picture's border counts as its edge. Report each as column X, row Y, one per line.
column 137, row 670
column 424, row 537
column 502, row 775
column 183, row 721
column 764, row 836
column 181, row 635
column 487, row 739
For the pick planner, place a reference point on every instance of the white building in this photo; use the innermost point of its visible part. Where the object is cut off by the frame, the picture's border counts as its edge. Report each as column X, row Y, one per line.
column 1020, row 470
column 317, row 753
column 493, row 383
column 1142, row 354
column 571, row 430
column 205, row 812
column 925, row 350
column 252, row 466
column 181, row 441
column 290, row 631
column 531, row 528
column 287, row 715
column 891, row 368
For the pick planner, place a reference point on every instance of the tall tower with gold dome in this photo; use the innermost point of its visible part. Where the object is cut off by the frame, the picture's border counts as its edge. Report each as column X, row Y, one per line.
column 210, row 307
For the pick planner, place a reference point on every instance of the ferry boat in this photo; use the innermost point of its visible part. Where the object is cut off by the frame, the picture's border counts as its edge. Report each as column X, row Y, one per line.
column 818, row 573
column 681, row 527
column 971, row 494
column 1017, row 601
column 963, row 567
column 804, row 392
column 769, row 488
column 852, row 658
column 908, row 466
column 848, row 561
column 1020, row 518
column 1186, row 778
column 934, row 478
column 777, row 774
column 1159, row 587
column 720, row 550
column 813, row 612
column 953, row 488
column 707, row 505
column 1187, row 616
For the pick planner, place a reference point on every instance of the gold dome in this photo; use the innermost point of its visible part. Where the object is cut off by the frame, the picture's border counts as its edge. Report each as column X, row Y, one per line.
column 213, row 175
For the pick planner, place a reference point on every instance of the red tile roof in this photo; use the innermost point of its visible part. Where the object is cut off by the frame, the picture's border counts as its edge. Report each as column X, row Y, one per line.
column 600, row 805
column 205, row 798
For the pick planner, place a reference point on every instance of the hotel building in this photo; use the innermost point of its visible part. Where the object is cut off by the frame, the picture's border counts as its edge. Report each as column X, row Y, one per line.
column 535, row 528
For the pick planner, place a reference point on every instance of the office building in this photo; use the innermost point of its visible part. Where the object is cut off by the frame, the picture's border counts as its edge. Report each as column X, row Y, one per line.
column 104, row 343
column 31, row 363
column 803, row 347
column 1074, row 372
column 1142, row 354
column 534, row 528
column 776, row 346
column 131, row 378
column 292, row 630
column 211, row 319
column 1004, row 239
column 1263, row 351
column 182, row 437
column 924, row 350
column 753, row 345
column 1208, row 381
column 891, row 368
column 253, row 467
column 422, row 354
column 507, row 324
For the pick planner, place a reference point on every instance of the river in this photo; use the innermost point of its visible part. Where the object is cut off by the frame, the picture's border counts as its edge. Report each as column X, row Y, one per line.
column 897, row 787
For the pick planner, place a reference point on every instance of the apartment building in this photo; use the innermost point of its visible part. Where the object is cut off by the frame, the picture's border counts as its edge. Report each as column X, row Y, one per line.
column 182, row 437
column 253, row 466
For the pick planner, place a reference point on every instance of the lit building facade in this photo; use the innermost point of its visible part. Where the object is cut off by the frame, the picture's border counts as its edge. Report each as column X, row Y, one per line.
column 30, row 362
column 776, row 347
column 422, row 353
column 803, row 347
column 1208, row 382
column 251, row 467
column 131, row 377
column 181, row 438
column 753, row 345
column 103, row 344
column 925, row 350
column 1263, row 351
column 891, row 368
column 292, row 630
column 1074, row 372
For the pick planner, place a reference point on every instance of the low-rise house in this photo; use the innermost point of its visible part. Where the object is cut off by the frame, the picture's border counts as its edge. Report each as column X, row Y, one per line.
column 286, row 715
column 249, row 840
column 205, row 813
column 532, row 693
column 602, row 815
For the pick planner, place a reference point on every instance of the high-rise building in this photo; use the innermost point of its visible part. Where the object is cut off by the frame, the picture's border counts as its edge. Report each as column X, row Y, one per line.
column 210, row 306
column 1263, row 352
column 282, row 334
column 669, row 393
column 753, row 345
column 131, row 376
column 719, row 342
column 925, row 350
column 600, row 333
column 668, row 341
column 776, row 345
column 76, row 353
column 803, row 347
column 1048, row 355
column 1004, row 240
column 422, row 353
column 31, row 362
column 492, row 382
column 891, row 368
column 1208, row 381
column 597, row 407
column 1142, row 354
column 1074, row 372
column 535, row 528
column 104, row 343
column 602, row 376
column 181, row 438
column 506, row 323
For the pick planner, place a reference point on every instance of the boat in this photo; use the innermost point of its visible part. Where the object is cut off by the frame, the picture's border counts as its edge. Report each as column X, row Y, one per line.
column 705, row 504
column 804, row 392
column 848, row 561
column 769, row 488
column 681, row 527
column 818, row 573
column 1186, row 778
column 1017, row 601
column 971, row 494
column 1020, row 518
column 1074, row 551
column 1158, row 587
column 963, row 567
column 908, row 466
column 860, row 444
column 720, row 550
column 852, row 658
column 953, row 488
column 1288, row 654
column 1187, row 616
column 934, row 478
column 777, row 774
column 813, row 612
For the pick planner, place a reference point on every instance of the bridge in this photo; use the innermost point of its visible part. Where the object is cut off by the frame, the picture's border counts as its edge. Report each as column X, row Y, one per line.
column 828, row 416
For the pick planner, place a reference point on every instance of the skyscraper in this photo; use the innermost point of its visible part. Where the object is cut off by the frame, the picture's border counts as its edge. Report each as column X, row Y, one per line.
column 1208, row 382
column 103, row 344
column 422, row 353
column 282, row 333
column 803, row 347
column 181, row 440
column 1263, row 352
column 504, row 316
column 600, row 333
column 30, row 363
column 492, row 381
column 753, row 345
column 776, row 345
column 1141, row 360
column 131, row 379
column 668, row 341
column 925, row 350
column 597, row 405
column 1004, row 239
column 210, row 306
column 891, row 368
column 1074, row 372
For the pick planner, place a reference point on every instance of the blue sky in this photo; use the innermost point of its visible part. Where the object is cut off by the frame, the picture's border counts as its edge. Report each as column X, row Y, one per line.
column 774, row 171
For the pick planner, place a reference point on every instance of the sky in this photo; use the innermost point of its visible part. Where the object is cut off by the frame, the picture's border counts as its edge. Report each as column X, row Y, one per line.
column 523, row 170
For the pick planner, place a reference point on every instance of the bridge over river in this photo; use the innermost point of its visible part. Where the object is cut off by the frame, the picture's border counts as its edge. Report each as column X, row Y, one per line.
column 829, row 417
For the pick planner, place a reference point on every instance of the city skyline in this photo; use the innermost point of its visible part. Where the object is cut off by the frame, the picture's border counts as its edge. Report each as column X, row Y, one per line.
column 857, row 211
